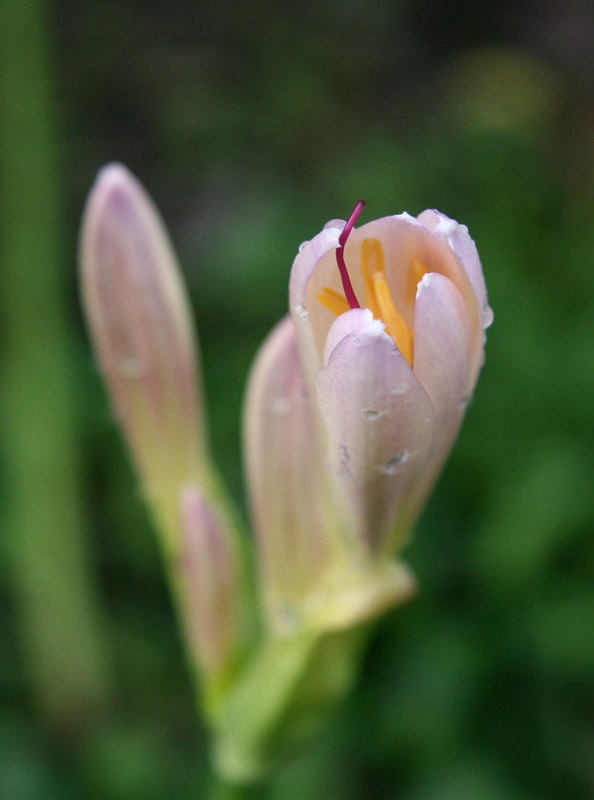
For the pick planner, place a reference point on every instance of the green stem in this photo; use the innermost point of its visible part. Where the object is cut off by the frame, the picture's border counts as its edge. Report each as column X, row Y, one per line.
column 55, row 599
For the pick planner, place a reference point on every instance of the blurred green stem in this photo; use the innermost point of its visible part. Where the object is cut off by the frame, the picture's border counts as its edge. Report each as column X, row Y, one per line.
column 44, row 526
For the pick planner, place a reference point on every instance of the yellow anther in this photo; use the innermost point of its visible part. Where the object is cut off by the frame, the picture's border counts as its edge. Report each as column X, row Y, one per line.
column 372, row 260
column 333, row 301
column 392, row 318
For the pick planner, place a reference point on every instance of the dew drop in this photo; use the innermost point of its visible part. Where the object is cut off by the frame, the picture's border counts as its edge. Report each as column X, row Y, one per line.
column 280, row 406
column 131, row 367
column 301, row 311
column 392, row 465
column 371, row 413
column 400, row 388
column 303, row 245
column 488, row 316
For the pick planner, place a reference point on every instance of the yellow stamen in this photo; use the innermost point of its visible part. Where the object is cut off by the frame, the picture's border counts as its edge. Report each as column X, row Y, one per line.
column 372, row 261
column 392, row 318
column 333, row 301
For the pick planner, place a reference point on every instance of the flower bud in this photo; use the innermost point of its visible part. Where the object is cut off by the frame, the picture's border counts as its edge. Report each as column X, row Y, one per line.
column 314, row 575
column 286, row 480
column 140, row 324
column 392, row 367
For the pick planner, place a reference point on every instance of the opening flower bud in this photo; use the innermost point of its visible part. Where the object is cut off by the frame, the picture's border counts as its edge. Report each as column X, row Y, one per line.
column 393, row 377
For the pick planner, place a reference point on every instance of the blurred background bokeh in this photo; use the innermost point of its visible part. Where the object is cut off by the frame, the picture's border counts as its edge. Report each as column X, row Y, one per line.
column 251, row 124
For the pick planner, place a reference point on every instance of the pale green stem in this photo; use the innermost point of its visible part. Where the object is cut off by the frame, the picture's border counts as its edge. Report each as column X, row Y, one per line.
column 43, row 525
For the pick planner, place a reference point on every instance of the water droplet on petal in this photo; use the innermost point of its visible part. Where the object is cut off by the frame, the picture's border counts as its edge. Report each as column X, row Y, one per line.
column 400, row 388
column 396, row 461
column 371, row 413
column 301, row 311
column 303, row 245
column 131, row 367
column 488, row 316
column 280, row 406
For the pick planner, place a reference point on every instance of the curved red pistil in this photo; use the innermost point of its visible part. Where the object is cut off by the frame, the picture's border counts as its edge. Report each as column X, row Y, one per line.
column 342, row 239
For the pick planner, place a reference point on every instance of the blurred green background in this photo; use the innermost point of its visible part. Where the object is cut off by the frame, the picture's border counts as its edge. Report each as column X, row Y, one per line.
column 252, row 124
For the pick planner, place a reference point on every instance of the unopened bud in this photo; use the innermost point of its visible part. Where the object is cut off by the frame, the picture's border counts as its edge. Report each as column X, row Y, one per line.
column 285, row 474
column 140, row 323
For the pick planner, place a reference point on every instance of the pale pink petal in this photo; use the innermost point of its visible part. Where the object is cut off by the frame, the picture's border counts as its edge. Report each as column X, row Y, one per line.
column 442, row 343
column 311, row 319
column 442, row 366
column 285, row 473
column 379, row 421
column 458, row 238
column 350, row 322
